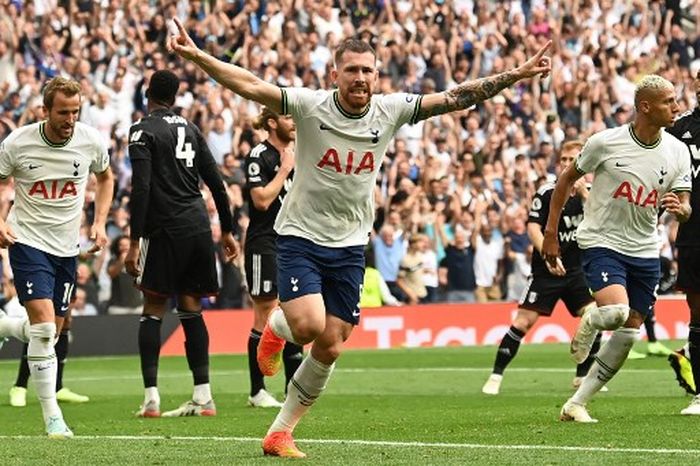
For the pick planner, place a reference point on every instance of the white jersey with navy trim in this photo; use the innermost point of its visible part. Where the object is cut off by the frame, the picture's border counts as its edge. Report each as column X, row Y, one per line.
column 338, row 156
column 50, row 181
column 630, row 178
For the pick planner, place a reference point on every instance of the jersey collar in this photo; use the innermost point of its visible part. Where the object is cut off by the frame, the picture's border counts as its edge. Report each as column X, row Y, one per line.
column 639, row 142
column 42, row 132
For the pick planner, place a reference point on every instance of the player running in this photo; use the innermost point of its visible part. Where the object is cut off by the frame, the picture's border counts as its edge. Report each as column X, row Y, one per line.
column 51, row 162
column 638, row 169
column 324, row 223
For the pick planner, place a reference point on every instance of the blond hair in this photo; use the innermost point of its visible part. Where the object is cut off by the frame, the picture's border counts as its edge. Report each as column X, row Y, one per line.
column 65, row 86
column 650, row 82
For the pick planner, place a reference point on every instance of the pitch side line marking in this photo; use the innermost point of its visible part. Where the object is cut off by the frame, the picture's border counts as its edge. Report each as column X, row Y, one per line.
column 374, row 443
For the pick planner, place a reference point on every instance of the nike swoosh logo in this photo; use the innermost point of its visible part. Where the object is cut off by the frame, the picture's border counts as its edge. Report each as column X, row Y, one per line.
column 620, row 165
column 32, row 166
column 324, row 127
column 64, row 308
column 356, row 313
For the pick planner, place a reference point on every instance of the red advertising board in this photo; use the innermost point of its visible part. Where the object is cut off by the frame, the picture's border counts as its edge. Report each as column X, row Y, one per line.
column 430, row 325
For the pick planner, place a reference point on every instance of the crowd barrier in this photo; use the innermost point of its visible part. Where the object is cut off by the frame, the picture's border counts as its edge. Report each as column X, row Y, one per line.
column 380, row 328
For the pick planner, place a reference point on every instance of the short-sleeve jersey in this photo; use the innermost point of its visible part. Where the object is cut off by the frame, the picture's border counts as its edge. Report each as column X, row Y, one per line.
column 50, row 181
column 338, row 156
column 262, row 165
column 178, row 155
column 687, row 129
column 630, row 178
column 571, row 217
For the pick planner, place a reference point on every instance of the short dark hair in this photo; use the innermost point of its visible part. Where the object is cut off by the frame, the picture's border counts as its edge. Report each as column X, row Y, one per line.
column 163, row 87
column 353, row 45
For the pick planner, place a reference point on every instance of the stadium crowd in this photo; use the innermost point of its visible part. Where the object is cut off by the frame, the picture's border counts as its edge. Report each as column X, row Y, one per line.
column 453, row 195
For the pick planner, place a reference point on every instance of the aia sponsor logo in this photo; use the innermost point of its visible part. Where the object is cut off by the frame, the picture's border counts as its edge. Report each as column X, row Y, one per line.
column 331, row 160
column 55, row 189
column 637, row 196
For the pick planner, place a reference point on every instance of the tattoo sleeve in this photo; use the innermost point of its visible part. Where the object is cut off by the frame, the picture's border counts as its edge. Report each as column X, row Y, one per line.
column 469, row 93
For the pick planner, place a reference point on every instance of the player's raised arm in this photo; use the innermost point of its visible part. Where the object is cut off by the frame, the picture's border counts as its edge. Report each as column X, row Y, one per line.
column 474, row 91
column 239, row 80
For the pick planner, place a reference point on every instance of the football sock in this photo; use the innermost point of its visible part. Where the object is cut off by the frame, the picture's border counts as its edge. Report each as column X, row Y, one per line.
column 42, row 365
column 23, row 371
column 149, row 349
column 306, row 386
column 609, row 360
column 507, row 349
column 694, row 352
column 201, row 393
column 292, row 355
column 196, row 345
column 151, row 394
column 61, row 348
column 650, row 327
column 257, row 380
column 583, row 368
column 278, row 324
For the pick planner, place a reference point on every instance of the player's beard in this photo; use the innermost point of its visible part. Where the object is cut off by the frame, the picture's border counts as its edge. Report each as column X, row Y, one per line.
column 61, row 130
column 284, row 135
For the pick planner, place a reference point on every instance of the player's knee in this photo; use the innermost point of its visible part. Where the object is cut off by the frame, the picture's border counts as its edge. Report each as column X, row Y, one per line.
column 44, row 332
column 610, row 317
column 184, row 315
column 307, row 332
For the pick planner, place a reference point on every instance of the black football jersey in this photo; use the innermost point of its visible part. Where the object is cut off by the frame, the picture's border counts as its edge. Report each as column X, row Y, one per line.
column 687, row 129
column 571, row 216
column 169, row 156
column 262, row 165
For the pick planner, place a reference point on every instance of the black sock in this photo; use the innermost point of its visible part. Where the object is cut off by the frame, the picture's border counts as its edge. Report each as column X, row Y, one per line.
column 257, row 380
column 23, row 371
column 149, row 349
column 583, row 368
column 292, row 355
column 694, row 350
column 507, row 349
column 650, row 327
column 61, row 349
column 196, row 345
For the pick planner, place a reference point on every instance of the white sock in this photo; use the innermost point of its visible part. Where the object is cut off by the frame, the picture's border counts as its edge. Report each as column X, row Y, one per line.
column 202, row 393
column 306, row 385
column 15, row 327
column 43, row 366
column 280, row 327
column 610, row 358
column 151, row 394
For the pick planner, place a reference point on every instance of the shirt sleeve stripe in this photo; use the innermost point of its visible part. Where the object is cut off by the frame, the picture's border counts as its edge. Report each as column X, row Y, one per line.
column 416, row 110
column 285, row 111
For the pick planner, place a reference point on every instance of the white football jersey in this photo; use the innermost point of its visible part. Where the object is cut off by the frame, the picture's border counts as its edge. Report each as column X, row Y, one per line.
column 338, row 156
column 50, row 181
column 630, row 178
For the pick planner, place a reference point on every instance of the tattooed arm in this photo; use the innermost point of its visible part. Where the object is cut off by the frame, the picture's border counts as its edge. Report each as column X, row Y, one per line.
column 472, row 92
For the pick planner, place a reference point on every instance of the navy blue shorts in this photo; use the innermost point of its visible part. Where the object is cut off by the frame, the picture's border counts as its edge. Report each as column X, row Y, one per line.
column 40, row 275
column 304, row 267
column 604, row 267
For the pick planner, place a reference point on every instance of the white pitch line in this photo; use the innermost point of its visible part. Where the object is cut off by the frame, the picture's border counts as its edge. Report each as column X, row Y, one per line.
column 375, row 370
column 375, row 443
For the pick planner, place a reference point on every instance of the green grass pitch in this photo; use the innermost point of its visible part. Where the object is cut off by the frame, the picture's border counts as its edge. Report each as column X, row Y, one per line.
column 399, row 407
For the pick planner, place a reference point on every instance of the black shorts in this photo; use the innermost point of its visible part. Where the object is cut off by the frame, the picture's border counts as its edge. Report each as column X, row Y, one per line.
column 261, row 274
column 178, row 265
column 688, row 269
column 543, row 292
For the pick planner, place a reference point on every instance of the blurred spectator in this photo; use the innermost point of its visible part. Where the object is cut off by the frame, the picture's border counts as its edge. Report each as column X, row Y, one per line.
column 410, row 277
column 125, row 298
column 375, row 292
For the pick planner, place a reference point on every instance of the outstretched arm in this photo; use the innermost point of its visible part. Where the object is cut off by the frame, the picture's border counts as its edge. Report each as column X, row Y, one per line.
column 239, row 80
column 472, row 92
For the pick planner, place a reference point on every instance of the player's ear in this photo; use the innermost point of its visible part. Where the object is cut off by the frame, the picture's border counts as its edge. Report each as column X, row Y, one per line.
column 334, row 74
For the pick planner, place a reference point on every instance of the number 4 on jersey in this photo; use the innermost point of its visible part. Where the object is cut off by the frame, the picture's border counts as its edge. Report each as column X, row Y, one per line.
column 184, row 149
